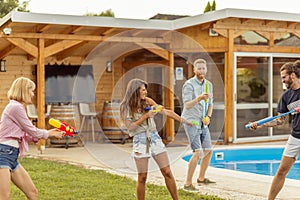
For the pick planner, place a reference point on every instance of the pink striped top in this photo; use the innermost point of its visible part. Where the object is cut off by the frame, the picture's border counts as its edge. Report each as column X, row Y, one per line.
column 15, row 125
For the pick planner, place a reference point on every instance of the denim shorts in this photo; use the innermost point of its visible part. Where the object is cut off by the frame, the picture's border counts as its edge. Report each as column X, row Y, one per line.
column 199, row 137
column 9, row 157
column 139, row 145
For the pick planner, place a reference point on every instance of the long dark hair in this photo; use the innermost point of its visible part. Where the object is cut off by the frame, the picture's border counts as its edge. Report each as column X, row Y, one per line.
column 132, row 101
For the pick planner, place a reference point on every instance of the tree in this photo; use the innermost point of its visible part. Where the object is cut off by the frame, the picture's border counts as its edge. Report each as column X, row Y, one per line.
column 107, row 13
column 214, row 5
column 7, row 6
column 23, row 6
column 209, row 7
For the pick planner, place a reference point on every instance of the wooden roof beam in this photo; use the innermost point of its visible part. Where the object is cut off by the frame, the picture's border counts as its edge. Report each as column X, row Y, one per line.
column 292, row 24
column 60, row 46
column 30, row 57
column 237, row 33
column 7, row 24
column 25, row 45
column 100, row 32
column 297, row 34
column 112, row 31
column 222, row 32
column 6, row 51
column 264, row 34
column 155, row 49
column 267, row 49
column 252, row 22
column 136, row 40
column 84, row 37
column 67, row 30
column 108, row 31
column 275, row 23
column 205, row 26
column 270, row 22
column 245, row 20
column 76, row 29
column 67, row 52
column 193, row 50
column 129, row 64
column 256, row 28
column 137, row 32
column 40, row 28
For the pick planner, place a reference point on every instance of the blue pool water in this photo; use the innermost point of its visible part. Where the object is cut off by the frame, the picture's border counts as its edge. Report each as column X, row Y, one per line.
column 263, row 161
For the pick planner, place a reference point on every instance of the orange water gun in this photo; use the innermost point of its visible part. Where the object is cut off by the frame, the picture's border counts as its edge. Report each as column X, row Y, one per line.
column 62, row 126
column 154, row 109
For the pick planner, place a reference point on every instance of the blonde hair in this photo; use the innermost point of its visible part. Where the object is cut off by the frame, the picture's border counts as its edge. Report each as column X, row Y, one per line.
column 200, row 60
column 20, row 90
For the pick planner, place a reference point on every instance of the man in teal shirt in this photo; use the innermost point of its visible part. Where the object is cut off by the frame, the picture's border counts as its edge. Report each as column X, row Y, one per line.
column 197, row 96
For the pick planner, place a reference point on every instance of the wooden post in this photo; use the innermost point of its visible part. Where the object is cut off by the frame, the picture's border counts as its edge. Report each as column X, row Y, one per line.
column 190, row 68
column 41, row 90
column 229, row 96
column 169, row 99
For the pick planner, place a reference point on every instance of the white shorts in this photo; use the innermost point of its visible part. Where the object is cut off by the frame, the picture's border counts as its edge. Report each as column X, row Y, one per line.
column 139, row 145
column 292, row 147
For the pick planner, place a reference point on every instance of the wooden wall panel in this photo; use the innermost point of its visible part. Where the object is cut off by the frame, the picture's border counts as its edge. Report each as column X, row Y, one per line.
column 119, row 90
column 209, row 43
column 16, row 66
column 103, row 90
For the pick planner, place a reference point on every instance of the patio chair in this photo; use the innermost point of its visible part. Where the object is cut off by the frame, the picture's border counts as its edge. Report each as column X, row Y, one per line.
column 86, row 113
column 32, row 112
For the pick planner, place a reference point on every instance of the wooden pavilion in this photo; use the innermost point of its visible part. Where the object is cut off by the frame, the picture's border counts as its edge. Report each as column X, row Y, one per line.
column 244, row 50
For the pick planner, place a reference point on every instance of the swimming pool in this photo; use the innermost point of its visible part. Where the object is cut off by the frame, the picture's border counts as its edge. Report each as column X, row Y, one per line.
column 263, row 161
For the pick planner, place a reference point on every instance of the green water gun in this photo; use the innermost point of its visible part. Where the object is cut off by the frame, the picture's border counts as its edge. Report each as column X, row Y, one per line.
column 206, row 90
column 195, row 123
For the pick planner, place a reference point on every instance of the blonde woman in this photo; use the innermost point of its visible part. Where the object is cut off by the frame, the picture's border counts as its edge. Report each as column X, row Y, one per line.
column 16, row 130
column 146, row 141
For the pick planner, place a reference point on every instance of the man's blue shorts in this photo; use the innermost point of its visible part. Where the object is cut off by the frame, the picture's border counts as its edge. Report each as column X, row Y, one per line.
column 199, row 137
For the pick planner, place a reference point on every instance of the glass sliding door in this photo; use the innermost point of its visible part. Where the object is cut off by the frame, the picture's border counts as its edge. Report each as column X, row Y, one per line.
column 257, row 90
column 252, row 96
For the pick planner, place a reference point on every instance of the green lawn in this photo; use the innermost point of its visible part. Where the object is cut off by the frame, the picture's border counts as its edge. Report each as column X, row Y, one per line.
column 57, row 181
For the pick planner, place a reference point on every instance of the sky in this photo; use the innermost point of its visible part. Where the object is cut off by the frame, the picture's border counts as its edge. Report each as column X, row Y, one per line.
column 144, row 9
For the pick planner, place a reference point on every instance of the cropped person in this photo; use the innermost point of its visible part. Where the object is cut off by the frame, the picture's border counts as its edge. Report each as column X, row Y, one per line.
column 16, row 130
column 198, row 106
column 290, row 99
column 146, row 141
